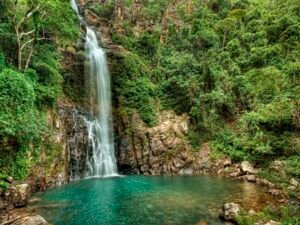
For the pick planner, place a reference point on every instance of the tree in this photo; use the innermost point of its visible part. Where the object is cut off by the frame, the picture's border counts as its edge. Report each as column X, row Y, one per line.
column 37, row 21
column 224, row 27
column 25, row 30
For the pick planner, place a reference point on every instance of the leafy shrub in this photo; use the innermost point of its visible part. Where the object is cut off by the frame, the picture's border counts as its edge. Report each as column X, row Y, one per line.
column 266, row 83
column 139, row 94
column 105, row 9
column 231, row 145
column 18, row 118
column 293, row 165
column 2, row 62
column 48, row 85
column 14, row 163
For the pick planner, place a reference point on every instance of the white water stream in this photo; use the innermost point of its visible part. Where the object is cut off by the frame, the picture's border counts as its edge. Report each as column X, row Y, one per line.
column 100, row 161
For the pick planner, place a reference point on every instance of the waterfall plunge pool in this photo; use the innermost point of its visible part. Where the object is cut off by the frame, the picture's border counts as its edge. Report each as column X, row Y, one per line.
column 136, row 200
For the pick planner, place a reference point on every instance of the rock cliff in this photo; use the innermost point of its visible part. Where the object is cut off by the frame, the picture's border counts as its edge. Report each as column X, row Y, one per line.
column 163, row 149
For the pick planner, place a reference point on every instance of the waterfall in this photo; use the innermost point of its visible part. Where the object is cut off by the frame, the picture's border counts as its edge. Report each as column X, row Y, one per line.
column 100, row 160
column 75, row 7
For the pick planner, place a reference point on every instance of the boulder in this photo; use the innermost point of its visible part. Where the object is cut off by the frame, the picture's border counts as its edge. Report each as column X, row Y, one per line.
column 31, row 220
column 4, row 205
column 249, row 178
column 275, row 192
column 294, row 185
column 18, row 196
column 247, row 168
column 292, row 188
column 187, row 171
column 9, row 179
column 230, row 211
column 251, row 212
column 265, row 182
column 277, row 165
column 235, row 174
column 294, row 182
column 271, row 222
column 227, row 162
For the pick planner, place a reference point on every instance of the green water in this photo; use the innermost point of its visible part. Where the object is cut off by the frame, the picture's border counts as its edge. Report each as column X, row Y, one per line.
column 141, row 200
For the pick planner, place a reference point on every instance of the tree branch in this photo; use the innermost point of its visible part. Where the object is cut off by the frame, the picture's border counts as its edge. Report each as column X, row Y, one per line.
column 26, row 43
column 27, row 33
column 29, row 57
column 28, row 14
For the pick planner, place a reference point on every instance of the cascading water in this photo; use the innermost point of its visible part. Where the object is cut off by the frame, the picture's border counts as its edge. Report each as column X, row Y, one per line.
column 74, row 6
column 100, row 161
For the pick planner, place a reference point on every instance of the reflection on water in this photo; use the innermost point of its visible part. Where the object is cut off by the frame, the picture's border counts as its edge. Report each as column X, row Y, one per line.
column 136, row 200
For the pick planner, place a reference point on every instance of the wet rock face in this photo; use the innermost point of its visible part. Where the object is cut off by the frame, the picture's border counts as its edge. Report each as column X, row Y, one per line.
column 76, row 137
column 69, row 144
column 162, row 149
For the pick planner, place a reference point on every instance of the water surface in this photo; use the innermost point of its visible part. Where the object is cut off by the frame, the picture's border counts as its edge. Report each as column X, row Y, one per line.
column 141, row 200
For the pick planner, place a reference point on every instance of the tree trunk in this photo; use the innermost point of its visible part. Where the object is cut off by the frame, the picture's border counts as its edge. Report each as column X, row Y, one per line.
column 224, row 39
column 19, row 50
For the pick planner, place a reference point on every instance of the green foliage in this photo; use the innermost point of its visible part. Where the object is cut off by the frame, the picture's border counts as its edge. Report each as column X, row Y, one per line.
column 37, row 29
column 105, row 9
column 2, row 62
column 48, row 78
column 233, row 66
column 140, row 94
column 14, row 163
column 230, row 144
column 61, row 21
column 147, row 45
column 293, row 165
column 18, row 118
column 133, row 88
column 3, row 185
column 287, row 215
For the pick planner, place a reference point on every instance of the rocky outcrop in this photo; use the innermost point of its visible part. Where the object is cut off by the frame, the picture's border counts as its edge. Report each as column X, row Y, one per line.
column 247, row 168
column 17, row 196
column 14, row 196
column 62, row 157
column 29, row 220
column 165, row 148
column 294, row 185
column 277, row 165
column 162, row 149
column 76, row 138
column 230, row 212
column 204, row 163
column 65, row 144
column 58, row 162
